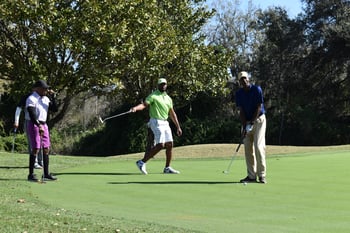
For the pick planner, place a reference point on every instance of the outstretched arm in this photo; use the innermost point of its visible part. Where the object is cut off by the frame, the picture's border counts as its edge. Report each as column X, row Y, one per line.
column 17, row 115
column 139, row 107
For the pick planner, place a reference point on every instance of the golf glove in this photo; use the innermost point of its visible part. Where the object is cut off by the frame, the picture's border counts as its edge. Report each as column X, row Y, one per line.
column 248, row 128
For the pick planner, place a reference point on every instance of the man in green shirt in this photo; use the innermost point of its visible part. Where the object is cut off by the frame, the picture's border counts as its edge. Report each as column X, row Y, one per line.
column 160, row 108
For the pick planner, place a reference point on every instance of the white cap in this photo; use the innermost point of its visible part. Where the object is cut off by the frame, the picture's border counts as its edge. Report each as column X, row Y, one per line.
column 243, row 74
column 161, row 80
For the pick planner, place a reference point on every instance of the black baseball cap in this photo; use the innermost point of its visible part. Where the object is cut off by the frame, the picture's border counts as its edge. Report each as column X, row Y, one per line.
column 41, row 83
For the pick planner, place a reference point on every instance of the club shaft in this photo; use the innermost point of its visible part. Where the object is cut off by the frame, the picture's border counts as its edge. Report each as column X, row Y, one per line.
column 108, row 118
column 42, row 153
column 13, row 141
column 233, row 157
column 230, row 164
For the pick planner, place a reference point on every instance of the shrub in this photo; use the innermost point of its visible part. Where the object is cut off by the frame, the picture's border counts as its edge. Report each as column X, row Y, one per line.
column 19, row 140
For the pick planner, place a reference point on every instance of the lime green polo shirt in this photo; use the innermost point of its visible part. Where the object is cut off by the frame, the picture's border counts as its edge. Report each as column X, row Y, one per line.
column 159, row 105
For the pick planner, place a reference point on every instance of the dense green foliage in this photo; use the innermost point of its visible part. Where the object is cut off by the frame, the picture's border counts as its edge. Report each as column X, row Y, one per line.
column 127, row 134
column 78, row 46
column 302, row 65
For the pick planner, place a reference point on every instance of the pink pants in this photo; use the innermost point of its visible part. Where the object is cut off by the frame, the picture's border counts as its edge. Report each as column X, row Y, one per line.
column 36, row 140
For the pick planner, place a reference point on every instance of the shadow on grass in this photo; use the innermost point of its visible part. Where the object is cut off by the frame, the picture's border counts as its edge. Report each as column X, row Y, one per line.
column 15, row 179
column 96, row 173
column 176, row 182
column 9, row 167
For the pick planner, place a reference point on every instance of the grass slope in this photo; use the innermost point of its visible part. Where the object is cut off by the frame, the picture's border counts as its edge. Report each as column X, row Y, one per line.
column 307, row 192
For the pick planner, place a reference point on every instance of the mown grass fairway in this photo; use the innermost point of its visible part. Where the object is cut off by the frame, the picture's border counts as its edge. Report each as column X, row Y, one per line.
column 306, row 192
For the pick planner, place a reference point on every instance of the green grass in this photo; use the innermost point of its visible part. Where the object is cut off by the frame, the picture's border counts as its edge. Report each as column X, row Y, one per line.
column 307, row 191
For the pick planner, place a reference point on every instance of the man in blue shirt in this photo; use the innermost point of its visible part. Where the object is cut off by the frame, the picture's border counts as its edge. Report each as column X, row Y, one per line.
column 250, row 103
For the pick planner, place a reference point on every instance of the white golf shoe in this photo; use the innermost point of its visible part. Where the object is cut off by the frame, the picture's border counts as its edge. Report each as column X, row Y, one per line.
column 37, row 166
column 142, row 166
column 170, row 170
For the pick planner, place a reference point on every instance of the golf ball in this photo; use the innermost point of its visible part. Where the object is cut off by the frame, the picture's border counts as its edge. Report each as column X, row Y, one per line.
column 244, row 183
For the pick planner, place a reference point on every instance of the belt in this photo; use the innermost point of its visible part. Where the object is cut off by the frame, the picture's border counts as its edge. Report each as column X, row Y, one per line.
column 42, row 122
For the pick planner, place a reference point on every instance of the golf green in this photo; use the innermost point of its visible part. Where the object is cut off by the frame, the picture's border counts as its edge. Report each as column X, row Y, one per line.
column 305, row 193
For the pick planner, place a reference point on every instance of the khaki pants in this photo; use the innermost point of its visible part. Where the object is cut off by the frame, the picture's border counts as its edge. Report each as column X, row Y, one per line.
column 254, row 146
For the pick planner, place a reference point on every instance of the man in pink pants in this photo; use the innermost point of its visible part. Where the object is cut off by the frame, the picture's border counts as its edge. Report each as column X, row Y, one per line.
column 37, row 106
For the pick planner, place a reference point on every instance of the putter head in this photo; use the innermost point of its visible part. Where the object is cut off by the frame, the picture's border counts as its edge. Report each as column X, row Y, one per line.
column 100, row 119
column 42, row 181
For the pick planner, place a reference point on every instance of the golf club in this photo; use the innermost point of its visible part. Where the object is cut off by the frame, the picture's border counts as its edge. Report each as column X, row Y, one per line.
column 42, row 181
column 14, row 139
column 114, row 116
column 233, row 157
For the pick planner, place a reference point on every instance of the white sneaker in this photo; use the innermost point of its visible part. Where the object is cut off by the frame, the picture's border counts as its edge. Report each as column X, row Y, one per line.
column 37, row 166
column 170, row 170
column 142, row 166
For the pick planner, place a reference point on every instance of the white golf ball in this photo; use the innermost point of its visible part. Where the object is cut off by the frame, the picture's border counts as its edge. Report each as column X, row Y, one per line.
column 244, row 183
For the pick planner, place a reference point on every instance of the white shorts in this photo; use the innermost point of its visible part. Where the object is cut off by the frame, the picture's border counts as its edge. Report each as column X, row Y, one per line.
column 161, row 130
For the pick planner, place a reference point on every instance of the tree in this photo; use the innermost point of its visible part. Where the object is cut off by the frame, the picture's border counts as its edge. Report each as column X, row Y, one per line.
column 279, row 58
column 302, row 65
column 56, row 41
column 328, row 27
column 80, row 45
column 175, row 49
column 305, row 64
column 234, row 30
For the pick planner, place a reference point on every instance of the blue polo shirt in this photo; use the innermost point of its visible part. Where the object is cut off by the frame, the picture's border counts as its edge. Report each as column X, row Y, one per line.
column 249, row 100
